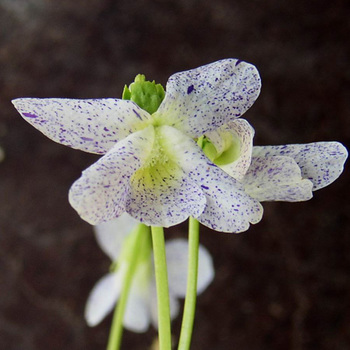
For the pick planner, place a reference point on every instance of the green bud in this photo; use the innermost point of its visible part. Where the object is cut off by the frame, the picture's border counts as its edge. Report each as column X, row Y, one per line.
column 146, row 94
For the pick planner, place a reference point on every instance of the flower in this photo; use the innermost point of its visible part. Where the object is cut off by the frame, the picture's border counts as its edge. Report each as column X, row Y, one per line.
column 274, row 173
column 141, row 308
column 152, row 167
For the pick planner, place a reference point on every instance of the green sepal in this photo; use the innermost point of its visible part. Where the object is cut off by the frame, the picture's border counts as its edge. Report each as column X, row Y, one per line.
column 146, row 94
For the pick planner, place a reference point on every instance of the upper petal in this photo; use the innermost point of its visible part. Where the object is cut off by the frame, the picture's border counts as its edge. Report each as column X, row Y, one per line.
column 110, row 234
column 320, row 162
column 91, row 125
column 102, row 191
column 202, row 99
column 177, row 263
column 276, row 178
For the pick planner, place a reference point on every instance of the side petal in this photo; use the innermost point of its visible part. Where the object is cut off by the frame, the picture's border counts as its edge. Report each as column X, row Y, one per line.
column 91, row 125
column 110, row 234
column 228, row 208
column 177, row 262
column 103, row 297
column 276, row 179
column 320, row 162
column 241, row 130
column 102, row 191
column 202, row 99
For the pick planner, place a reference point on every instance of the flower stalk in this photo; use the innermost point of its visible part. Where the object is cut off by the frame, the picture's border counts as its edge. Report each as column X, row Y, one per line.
column 160, row 266
column 191, row 292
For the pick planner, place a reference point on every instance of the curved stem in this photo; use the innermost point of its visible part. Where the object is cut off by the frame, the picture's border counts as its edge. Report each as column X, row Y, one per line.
column 161, row 273
column 191, row 292
column 116, row 332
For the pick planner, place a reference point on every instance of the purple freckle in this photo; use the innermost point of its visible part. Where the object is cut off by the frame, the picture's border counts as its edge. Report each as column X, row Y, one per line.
column 30, row 115
column 205, row 187
column 238, row 62
column 86, row 138
column 138, row 115
column 105, row 129
column 190, row 89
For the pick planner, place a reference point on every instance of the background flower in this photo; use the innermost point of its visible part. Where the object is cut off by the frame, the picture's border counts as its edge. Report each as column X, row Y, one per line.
column 141, row 309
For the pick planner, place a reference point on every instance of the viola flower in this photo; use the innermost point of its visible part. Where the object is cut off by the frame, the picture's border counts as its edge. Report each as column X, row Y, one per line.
column 274, row 173
column 152, row 167
column 141, row 308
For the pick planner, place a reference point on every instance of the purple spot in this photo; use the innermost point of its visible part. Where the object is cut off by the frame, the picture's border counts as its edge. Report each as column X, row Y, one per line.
column 30, row 115
column 86, row 138
column 190, row 89
column 205, row 187
column 137, row 114
column 105, row 129
column 238, row 62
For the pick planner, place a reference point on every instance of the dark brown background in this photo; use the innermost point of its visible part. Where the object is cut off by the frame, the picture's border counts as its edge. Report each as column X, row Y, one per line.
column 284, row 284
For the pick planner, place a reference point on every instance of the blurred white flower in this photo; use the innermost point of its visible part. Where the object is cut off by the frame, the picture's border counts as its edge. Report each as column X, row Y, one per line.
column 141, row 308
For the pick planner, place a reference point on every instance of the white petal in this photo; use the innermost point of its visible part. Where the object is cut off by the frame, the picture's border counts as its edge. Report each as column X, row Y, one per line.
column 137, row 313
column 103, row 297
column 202, row 99
column 177, row 262
column 320, row 162
column 110, row 234
column 164, row 195
column 276, row 179
column 102, row 191
column 244, row 132
column 228, row 207
column 91, row 125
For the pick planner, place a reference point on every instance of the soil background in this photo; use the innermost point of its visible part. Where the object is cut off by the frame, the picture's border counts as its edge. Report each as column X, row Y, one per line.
column 285, row 283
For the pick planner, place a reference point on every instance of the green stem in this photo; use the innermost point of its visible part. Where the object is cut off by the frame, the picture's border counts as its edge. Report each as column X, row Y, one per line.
column 161, row 273
column 115, row 335
column 191, row 292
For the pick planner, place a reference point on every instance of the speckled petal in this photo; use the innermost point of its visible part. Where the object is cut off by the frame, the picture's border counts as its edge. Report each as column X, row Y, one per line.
column 320, row 162
column 244, row 132
column 164, row 195
column 110, row 235
column 103, row 297
column 102, row 191
column 202, row 99
column 276, row 179
column 177, row 262
column 91, row 125
column 228, row 208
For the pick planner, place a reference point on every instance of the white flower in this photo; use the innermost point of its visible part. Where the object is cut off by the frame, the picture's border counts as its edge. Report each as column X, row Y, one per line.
column 141, row 308
column 275, row 173
column 152, row 167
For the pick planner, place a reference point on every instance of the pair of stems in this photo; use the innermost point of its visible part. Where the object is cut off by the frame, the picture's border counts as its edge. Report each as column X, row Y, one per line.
column 164, row 328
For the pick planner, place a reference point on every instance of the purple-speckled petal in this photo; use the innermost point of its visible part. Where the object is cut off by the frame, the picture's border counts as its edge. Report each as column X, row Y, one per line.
column 177, row 262
column 102, row 191
column 202, row 99
column 276, row 178
column 228, row 207
column 320, row 162
column 110, row 234
column 244, row 132
column 163, row 195
column 91, row 125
